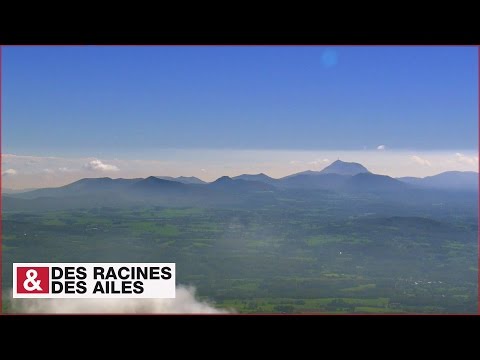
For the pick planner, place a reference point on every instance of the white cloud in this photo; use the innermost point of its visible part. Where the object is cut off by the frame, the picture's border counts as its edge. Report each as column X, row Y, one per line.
column 203, row 170
column 9, row 172
column 48, row 171
column 381, row 147
column 97, row 165
column 65, row 169
column 471, row 160
column 421, row 161
column 319, row 162
column 27, row 157
column 184, row 303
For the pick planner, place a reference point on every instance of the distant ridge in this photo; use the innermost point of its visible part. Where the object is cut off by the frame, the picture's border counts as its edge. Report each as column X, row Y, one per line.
column 155, row 183
column 447, row 180
column 16, row 191
column 228, row 183
column 368, row 182
column 257, row 177
column 344, row 168
column 183, row 179
column 338, row 167
column 340, row 176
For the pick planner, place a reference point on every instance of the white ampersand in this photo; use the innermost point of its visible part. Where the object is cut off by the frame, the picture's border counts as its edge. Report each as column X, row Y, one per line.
column 31, row 276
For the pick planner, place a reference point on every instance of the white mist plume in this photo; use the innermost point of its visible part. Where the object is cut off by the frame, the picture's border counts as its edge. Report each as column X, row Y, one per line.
column 184, row 303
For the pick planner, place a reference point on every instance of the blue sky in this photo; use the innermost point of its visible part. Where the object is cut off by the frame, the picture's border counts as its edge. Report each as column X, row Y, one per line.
column 134, row 102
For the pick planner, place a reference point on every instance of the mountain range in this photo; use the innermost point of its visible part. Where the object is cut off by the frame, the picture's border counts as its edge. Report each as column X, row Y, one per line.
column 340, row 176
column 446, row 180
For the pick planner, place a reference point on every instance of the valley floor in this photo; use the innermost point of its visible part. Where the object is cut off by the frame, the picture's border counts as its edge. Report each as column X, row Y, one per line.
column 288, row 259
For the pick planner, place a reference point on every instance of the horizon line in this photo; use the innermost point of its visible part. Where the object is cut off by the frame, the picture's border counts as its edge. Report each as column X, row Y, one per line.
column 230, row 177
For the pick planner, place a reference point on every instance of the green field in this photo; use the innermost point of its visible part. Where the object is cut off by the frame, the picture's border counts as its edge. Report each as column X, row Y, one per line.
column 295, row 258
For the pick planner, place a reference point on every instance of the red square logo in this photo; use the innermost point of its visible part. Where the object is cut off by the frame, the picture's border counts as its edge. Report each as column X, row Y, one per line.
column 33, row 280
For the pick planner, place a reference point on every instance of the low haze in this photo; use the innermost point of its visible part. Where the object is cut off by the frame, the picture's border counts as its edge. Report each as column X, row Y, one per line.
column 30, row 171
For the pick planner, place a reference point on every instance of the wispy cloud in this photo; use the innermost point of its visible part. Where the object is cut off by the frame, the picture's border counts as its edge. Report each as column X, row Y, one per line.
column 471, row 160
column 27, row 157
column 21, row 171
column 381, row 147
column 65, row 169
column 9, row 172
column 421, row 161
column 319, row 162
column 97, row 165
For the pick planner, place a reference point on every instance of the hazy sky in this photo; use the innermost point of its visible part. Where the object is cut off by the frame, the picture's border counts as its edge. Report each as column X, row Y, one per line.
column 71, row 112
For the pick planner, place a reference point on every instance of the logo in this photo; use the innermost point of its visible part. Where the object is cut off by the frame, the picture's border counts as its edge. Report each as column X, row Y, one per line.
column 94, row 280
column 33, row 280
